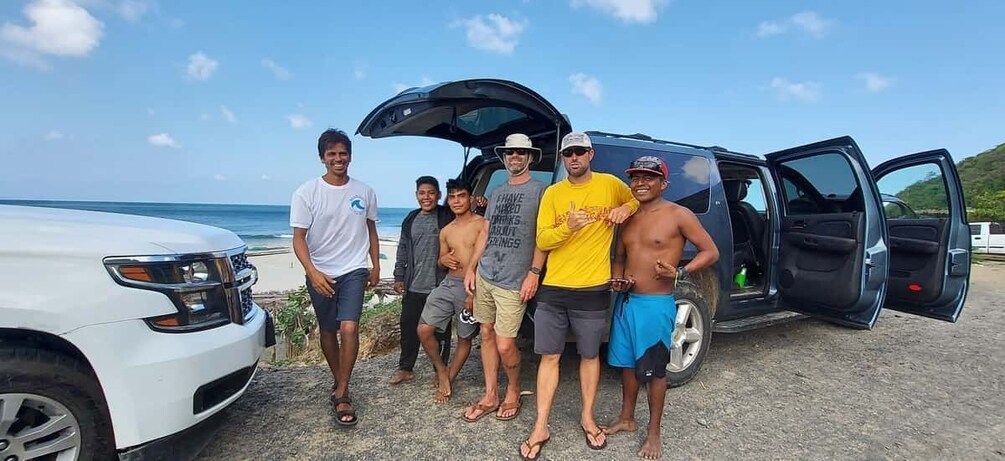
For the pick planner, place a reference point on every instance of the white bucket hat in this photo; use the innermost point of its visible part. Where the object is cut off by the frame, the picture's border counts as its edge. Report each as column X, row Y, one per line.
column 518, row 141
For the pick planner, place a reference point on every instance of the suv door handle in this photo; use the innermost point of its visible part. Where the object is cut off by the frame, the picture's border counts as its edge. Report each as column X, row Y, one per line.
column 799, row 225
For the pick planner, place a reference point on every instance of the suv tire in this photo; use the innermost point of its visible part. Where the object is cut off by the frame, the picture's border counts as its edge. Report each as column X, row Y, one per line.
column 692, row 333
column 44, row 383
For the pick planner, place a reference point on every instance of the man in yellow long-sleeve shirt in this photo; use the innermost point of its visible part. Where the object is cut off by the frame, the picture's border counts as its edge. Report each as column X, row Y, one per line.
column 575, row 224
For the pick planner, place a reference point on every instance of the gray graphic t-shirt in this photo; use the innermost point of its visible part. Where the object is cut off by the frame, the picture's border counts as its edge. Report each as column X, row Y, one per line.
column 512, row 216
column 425, row 251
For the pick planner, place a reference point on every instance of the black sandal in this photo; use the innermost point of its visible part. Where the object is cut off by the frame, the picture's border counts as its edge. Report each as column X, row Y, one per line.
column 339, row 414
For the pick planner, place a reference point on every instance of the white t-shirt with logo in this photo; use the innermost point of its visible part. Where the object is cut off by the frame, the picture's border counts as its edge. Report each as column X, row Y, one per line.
column 335, row 219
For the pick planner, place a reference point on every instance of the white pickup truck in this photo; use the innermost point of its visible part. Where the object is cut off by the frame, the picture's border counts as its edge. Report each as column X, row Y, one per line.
column 987, row 237
column 119, row 334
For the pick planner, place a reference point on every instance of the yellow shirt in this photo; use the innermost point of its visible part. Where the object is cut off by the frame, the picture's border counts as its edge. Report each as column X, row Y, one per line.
column 583, row 258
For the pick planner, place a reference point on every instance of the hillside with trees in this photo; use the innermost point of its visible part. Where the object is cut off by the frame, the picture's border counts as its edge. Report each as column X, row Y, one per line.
column 983, row 177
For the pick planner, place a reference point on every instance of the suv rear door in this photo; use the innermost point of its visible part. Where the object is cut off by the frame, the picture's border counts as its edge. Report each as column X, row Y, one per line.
column 477, row 113
column 930, row 252
column 833, row 253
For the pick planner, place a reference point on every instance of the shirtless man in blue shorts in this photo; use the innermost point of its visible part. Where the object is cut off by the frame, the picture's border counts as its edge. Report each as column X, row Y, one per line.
column 644, row 273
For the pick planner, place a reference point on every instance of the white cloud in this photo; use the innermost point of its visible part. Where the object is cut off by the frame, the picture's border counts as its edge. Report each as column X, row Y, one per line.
column 639, row 11
column 54, row 135
column 134, row 10
column 399, row 87
column 219, row 177
column 875, row 82
column 58, row 28
column 495, row 32
column 811, row 22
column 163, row 140
column 266, row 177
column 697, row 169
column 587, row 86
column 204, row 117
column 359, row 70
column 201, row 67
column 804, row 91
column 769, row 28
column 279, row 71
column 150, row 112
column 177, row 23
column 228, row 115
column 299, row 121
column 807, row 21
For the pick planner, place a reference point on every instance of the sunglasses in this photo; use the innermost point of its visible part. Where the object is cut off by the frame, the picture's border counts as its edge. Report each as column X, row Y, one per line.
column 577, row 151
column 508, row 152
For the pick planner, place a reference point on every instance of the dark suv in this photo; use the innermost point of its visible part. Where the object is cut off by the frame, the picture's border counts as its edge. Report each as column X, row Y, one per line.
column 800, row 231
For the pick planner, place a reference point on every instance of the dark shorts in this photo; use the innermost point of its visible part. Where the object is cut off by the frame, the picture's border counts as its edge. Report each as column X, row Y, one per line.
column 641, row 332
column 583, row 312
column 345, row 305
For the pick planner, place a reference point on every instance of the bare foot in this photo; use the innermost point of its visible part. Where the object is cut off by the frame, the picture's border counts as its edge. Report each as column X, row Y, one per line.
column 531, row 448
column 651, row 448
column 401, row 376
column 443, row 390
column 620, row 425
column 442, row 397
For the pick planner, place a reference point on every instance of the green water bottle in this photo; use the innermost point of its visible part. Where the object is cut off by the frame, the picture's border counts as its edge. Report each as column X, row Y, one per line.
column 741, row 277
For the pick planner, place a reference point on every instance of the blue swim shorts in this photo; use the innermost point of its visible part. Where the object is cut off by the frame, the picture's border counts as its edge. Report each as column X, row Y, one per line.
column 641, row 331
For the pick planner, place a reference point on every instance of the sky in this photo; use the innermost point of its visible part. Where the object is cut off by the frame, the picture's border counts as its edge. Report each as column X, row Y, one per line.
column 223, row 101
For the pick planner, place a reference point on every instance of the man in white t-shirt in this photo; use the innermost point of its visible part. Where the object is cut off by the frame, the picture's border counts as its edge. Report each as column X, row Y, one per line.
column 334, row 229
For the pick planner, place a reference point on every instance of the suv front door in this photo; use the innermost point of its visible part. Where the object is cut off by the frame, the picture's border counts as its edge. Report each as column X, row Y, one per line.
column 832, row 255
column 929, row 252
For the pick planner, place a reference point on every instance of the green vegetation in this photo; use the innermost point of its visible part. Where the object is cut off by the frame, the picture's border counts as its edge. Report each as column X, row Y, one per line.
column 983, row 177
column 296, row 325
column 296, row 320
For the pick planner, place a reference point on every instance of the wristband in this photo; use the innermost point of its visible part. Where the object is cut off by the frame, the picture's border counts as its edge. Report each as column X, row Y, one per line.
column 535, row 270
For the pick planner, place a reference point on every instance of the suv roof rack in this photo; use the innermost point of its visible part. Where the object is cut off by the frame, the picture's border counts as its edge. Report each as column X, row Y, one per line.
column 647, row 138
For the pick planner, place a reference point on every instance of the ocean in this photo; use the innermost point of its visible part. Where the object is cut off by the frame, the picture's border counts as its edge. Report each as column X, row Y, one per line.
column 260, row 226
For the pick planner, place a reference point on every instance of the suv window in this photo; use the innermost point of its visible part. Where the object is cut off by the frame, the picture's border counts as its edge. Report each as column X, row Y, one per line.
column 689, row 174
column 919, row 191
column 819, row 184
column 996, row 228
column 975, row 229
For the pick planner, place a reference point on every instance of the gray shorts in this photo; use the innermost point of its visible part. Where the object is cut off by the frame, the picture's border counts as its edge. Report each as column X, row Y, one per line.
column 446, row 302
column 559, row 311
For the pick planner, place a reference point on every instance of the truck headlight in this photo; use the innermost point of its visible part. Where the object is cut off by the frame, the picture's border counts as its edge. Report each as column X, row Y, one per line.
column 197, row 287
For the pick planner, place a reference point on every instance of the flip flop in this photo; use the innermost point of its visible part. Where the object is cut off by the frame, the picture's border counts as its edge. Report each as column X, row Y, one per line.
column 530, row 447
column 510, row 406
column 339, row 414
column 589, row 443
column 484, row 409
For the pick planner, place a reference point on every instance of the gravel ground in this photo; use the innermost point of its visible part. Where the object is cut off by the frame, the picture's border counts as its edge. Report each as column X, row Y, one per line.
column 912, row 388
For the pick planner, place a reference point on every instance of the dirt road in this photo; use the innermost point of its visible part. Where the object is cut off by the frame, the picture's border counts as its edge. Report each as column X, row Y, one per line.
column 912, row 388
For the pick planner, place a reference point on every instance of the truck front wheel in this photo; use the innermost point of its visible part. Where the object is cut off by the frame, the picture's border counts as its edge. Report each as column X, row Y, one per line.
column 51, row 407
column 691, row 336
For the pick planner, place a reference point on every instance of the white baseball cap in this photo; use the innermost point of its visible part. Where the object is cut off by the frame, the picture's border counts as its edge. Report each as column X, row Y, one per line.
column 576, row 139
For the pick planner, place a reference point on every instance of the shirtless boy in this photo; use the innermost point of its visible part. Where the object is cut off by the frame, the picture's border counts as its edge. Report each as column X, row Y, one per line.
column 450, row 299
column 645, row 272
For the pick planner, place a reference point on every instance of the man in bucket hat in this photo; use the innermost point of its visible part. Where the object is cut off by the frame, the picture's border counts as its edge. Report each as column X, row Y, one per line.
column 507, row 274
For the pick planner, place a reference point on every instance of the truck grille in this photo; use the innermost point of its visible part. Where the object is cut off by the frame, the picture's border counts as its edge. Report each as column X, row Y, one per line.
column 240, row 262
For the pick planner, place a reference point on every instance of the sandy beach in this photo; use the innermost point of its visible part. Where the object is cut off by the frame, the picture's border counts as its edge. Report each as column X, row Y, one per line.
column 281, row 271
